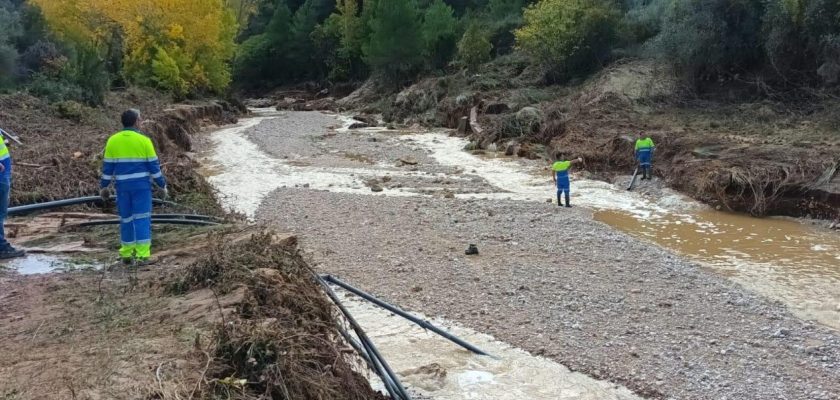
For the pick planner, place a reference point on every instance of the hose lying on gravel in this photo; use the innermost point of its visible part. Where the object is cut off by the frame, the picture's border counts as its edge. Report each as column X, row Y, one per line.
column 396, row 310
column 155, row 220
column 190, row 216
column 28, row 208
column 370, row 353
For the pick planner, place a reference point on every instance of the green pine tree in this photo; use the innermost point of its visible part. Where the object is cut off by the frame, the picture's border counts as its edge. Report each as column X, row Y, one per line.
column 395, row 48
column 439, row 25
column 474, row 47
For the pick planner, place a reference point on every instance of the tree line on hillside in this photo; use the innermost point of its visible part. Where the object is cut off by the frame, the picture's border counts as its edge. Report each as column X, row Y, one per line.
column 80, row 48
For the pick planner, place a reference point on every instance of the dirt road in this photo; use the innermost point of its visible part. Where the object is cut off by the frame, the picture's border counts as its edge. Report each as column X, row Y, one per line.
column 552, row 281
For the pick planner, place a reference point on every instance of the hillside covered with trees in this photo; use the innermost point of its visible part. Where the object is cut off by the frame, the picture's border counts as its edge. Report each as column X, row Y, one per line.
column 551, row 65
column 79, row 49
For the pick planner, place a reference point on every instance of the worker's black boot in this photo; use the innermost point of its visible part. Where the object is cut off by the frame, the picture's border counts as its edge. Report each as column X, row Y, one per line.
column 559, row 201
column 10, row 252
column 568, row 203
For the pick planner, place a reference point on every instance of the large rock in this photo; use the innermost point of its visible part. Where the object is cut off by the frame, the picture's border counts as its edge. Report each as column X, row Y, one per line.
column 529, row 119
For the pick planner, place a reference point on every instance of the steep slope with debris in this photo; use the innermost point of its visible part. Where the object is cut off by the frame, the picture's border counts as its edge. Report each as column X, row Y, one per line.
column 774, row 155
column 62, row 143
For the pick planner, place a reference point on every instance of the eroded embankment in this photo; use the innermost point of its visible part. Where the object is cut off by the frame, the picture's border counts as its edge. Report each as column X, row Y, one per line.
column 765, row 157
column 224, row 313
column 62, row 151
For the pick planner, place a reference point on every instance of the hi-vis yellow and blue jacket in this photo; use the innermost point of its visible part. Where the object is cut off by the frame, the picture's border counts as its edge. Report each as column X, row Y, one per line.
column 131, row 162
column 6, row 160
column 644, row 145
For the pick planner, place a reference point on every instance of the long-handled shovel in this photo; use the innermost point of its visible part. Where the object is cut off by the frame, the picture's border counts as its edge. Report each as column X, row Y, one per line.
column 633, row 179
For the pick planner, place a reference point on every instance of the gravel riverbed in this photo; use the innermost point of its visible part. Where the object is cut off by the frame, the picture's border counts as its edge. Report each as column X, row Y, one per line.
column 551, row 281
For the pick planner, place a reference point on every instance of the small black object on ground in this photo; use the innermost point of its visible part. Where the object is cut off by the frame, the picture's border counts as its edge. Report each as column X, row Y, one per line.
column 472, row 250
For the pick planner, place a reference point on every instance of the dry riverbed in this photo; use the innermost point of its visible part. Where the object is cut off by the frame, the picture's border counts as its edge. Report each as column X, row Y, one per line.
column 376, row 208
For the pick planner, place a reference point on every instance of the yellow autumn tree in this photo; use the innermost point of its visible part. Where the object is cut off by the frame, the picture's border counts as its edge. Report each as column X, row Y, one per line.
column 178, row 45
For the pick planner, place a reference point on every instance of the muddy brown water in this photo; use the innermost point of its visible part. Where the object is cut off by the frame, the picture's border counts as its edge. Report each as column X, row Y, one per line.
column 779, row 258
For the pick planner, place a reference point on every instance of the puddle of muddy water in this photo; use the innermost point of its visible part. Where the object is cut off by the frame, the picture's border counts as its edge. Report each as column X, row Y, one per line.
column 34, row 264
column 439, row 369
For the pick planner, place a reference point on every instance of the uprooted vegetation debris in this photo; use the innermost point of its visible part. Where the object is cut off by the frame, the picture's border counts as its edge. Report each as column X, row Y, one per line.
column 61, row 155
column 226, row 313
column 282, row 340
column 775, row 155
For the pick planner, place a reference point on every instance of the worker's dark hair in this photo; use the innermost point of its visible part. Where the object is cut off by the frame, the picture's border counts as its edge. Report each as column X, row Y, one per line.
column 559, row 156
column 130, row 117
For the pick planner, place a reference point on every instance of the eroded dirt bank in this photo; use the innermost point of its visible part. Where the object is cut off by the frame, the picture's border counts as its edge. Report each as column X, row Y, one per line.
column 225, row 312
column 551, row 281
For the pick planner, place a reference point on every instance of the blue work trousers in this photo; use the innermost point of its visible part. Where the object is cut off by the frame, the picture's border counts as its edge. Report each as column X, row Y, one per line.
column 5, row 189
column 135, row 209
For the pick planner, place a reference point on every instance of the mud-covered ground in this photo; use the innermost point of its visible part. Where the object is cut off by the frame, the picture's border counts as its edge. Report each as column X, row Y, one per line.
column 549, row 280
column 80, row 327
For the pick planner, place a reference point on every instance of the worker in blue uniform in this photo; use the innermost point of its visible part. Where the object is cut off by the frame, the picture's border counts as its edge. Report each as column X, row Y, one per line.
column 644, row 154
column 560, row 174
column 6, row 249
column 131, row 163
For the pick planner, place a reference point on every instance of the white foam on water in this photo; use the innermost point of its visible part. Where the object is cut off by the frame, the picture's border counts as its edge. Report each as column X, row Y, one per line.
column 439, row 369
column 245, row 174
column 517, row 182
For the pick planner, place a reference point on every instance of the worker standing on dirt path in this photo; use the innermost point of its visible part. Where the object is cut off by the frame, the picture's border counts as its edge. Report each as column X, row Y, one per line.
column 560, row 174
column 644, row 154
column 6, row 249
column 132, row 163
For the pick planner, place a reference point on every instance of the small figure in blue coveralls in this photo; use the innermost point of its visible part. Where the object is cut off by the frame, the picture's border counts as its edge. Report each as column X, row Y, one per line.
column 131, row 163
column 560, row 174
column 644, row 154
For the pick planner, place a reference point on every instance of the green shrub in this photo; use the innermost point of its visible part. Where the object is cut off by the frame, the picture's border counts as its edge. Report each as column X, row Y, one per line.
column 705, row 39
column 70, row 109
column 499, row 9
column 798, row 34
column 474, row 48
column 8, row 58
column 167, row 74
column 53, row 89
column 568, row 37
column 643, row 20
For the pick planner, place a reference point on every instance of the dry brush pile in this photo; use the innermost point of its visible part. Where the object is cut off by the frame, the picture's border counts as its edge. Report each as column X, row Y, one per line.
column 281, row 341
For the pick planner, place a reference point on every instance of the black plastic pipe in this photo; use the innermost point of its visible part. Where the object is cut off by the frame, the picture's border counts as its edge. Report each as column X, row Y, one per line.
column 396, row 310
column 386, row 380
column 189, row 216
column 158, row 221
column 28, row 208
column 381, row 366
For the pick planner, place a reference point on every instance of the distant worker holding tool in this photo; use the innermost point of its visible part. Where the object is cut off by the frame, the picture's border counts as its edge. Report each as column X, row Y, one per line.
column 6, row 249
column 560, row 174
column 132, row 164
column 644, row 154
